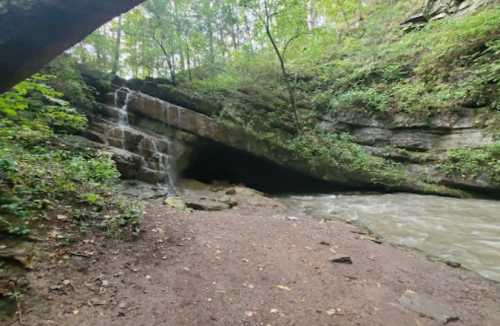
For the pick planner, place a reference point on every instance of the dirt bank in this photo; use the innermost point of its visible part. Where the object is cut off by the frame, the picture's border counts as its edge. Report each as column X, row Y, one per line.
column 254, row 264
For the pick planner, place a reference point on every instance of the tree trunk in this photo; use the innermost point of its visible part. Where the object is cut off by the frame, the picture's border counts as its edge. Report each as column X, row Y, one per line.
column 211, row 41
column 169, row 59
column 117, row 52
column 289, row 84
column 188, row 58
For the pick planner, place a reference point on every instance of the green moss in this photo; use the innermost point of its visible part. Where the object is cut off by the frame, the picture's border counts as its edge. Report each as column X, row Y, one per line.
column 469, row 163
column 348, row 156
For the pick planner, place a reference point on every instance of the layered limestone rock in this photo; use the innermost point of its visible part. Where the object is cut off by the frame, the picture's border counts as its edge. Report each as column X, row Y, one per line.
column 420, row 143
column 159, row 127
column 36, row 31
column 439, row 9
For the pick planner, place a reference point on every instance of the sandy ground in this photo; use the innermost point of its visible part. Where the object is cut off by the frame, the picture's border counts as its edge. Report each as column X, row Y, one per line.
column 250, row 265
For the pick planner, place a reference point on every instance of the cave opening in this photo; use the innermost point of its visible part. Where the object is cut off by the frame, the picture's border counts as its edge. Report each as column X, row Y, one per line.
column 213, row 162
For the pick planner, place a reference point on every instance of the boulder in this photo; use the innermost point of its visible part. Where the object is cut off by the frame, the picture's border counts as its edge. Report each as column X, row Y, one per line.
column 205, row 204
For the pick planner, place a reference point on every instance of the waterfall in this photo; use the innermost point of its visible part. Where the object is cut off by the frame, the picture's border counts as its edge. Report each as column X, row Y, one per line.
column 168, row 162
column 157, row 151
column 123, row 122
column 158, row 157
column 123, row 110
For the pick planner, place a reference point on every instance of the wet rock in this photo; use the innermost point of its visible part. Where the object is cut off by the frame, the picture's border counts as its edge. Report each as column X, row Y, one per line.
column 341, row 259
column 142, row 190
column 175, row 202
column 193, row 185
column 231, row 191
column 206, row 204
column 229, row 201
column 428, row 307
column 453, row 264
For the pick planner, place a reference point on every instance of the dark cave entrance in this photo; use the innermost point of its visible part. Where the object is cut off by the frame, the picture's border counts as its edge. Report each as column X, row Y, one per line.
column 215, row 162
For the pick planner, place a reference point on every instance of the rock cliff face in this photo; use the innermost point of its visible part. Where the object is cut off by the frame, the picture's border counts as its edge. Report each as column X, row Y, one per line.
column 36, row 31
column 420, row 143
column 163, row 138
column 439, row 9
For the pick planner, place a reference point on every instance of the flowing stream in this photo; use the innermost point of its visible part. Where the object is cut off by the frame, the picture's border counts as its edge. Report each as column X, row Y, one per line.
column 461, row 230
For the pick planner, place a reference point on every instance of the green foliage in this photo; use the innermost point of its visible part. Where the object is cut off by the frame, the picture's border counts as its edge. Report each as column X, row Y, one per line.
column 347, row 155
column 18, row 98
column 68, row 81
column 469, row 163
column 348, row 55
column 39, row 174
column 368, row 98
column 450, row 63
column 454, row 40
column 129, row 218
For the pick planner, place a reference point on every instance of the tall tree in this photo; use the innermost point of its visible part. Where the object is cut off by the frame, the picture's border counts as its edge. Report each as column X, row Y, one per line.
column 116, row 57
column 283, row 22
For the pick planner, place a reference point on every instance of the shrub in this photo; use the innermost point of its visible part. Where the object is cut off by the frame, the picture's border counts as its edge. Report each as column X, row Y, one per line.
column 368, row 98
column 469, row 163
column 38, row 174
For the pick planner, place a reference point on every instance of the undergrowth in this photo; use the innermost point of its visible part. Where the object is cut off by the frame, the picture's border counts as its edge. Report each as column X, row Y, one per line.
column 41, row 177
column 469, row 163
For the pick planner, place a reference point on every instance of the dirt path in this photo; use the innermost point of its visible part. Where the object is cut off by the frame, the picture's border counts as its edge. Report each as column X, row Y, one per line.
column 251, row 265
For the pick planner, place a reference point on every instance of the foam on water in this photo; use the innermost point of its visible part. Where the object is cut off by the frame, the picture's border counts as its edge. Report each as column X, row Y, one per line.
column 463, row 230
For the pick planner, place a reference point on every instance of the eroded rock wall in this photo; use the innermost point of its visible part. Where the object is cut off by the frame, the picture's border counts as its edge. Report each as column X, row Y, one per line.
column 439, row 9
column 421, row 142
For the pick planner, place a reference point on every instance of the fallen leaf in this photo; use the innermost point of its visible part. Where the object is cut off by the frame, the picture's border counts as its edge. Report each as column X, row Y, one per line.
column 62, row 217
column 283, row 287
column 249, row 313
column 331, row 312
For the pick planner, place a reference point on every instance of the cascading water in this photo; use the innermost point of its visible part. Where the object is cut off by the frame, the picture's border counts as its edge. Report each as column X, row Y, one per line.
column 123, row 122
column 165, row 164
column 158, row 152
column 123, row 116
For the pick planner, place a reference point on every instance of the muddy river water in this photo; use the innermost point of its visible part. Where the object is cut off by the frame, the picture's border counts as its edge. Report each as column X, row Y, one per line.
column 461, row 230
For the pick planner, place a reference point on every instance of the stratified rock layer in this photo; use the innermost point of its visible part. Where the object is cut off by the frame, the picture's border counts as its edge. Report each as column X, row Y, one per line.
column 439, row 9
